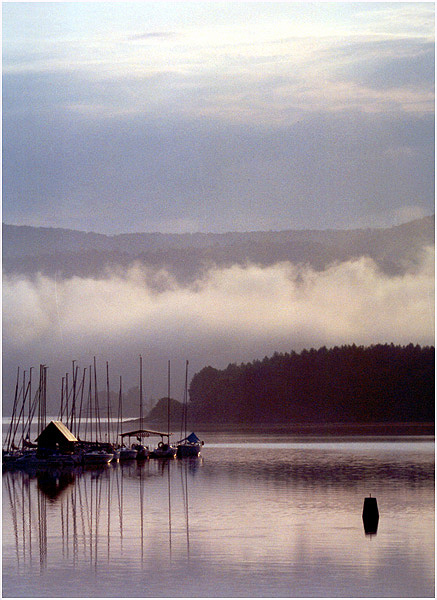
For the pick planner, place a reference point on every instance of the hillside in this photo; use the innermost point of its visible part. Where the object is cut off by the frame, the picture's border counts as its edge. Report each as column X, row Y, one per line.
column 348, row 384
column 68, row 253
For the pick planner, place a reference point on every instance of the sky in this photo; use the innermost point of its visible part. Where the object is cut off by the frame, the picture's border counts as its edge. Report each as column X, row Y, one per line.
column 213, row 117
column 217, row 116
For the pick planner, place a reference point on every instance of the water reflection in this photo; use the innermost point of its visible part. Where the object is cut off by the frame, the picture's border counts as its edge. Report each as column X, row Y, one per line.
column 92, row 511
column 250, row 522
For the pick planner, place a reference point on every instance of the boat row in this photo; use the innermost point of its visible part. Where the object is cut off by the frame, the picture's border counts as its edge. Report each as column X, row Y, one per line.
column 98, row 454
column 60, row 444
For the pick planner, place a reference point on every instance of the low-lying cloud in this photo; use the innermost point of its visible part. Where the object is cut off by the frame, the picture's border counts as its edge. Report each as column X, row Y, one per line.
column 235, row 314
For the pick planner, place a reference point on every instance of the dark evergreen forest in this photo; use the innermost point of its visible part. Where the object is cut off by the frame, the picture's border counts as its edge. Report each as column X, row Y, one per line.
column 347, row 384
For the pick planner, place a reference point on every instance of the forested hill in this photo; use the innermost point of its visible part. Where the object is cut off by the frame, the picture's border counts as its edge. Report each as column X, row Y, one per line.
column 347, row 384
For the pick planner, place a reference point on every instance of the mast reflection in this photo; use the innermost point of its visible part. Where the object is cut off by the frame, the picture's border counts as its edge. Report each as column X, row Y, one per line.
column 132, row 511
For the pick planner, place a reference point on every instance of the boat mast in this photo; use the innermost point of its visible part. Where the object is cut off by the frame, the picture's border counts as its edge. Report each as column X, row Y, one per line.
column 66, row 397
column 21, row 413
column 168, row 401
column 42, row 398
column 120, row 411
column 141, row 392
column 96, row 401
column 73, row 403
column 81, row 402
column 14, row 410
column 107, row 397
column 186, row 399
column 21, row 416
column 90, row 412
column 61, row 410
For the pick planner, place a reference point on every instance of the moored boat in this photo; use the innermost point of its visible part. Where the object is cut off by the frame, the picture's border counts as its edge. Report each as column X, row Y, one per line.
column 189, row 446
column 143, row 452
column 9, row 457
column 116, row 453
column 127, row 453
column 163, row 450
column 97, row 457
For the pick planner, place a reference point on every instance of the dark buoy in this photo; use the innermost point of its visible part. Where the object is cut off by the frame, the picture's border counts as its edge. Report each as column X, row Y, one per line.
column 370, row 515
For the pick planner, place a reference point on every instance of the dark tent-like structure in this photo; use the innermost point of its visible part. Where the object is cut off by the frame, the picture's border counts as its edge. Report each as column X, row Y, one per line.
column 56, row 436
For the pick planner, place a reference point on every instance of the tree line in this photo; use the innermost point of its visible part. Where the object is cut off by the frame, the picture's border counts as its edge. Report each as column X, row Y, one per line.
column 347, row 384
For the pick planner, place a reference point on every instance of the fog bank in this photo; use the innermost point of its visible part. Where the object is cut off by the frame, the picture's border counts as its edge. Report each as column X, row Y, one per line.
column 234, row 314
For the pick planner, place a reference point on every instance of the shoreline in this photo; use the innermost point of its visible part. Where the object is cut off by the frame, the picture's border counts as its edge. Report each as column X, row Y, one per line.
column 309, row 429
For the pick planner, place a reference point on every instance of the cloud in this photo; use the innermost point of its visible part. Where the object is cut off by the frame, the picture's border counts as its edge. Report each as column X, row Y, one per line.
column 153, row 35
column 229, row 315
column 218, row 74
column 388, row 64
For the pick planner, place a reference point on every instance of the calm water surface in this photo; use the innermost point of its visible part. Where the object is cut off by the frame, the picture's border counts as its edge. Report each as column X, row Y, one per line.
column 279, row 517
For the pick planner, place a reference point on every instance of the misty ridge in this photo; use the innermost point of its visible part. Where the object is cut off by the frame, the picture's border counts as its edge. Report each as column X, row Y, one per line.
column 212, row 299
column 188, row 257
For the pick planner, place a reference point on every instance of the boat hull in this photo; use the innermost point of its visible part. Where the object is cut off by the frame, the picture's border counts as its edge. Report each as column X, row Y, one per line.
column 127, row 454
column 163, row 451
column 143, row 453
column 188, row 450
column 97, row 458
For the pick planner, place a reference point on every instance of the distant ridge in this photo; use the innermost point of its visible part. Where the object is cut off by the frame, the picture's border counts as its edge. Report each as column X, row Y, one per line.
column 66, row 252
column 23, row 239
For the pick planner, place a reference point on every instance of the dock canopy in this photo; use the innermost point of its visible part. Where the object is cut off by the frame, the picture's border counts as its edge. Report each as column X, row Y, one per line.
column 192, row 439
column 56, row 435
column 144, row 433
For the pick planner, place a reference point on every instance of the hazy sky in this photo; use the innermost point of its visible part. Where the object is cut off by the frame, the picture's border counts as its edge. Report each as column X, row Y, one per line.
column 210, row 116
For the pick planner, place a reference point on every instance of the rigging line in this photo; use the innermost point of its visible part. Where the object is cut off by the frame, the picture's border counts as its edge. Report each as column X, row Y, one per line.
column 21, row 414
column 61, row 410
column 32, row 413
column 14, row 408
column 82, row 389
column 23, row 424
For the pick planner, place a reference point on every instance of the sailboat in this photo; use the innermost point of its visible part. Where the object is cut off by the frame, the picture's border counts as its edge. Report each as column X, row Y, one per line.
column 124, row 452
column 190, row 445
column 97, row 453
column 142, row 451
column 165, row 449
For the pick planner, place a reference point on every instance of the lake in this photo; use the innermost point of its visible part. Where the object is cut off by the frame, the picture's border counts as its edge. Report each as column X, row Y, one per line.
column 273, row 517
